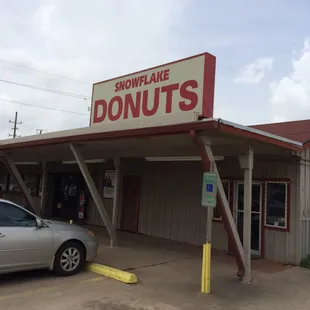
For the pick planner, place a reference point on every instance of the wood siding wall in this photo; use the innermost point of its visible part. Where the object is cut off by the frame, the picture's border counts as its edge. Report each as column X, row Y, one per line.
column 170, row 204
column 170, row 201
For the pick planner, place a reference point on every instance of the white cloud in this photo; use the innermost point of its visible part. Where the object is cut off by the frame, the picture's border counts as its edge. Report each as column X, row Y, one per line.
column 254, row 72
column 290, row 95
column 85, row 42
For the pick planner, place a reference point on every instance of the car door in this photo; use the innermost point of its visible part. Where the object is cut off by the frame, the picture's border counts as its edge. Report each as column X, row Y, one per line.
column 22, row 243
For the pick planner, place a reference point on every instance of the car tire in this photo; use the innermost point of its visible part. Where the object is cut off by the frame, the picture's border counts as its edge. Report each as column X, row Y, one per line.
column 69, row 259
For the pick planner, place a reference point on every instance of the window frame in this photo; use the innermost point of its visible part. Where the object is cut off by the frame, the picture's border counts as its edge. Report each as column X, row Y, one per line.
column 22, row 210
column 219, row 219
column 287, row 206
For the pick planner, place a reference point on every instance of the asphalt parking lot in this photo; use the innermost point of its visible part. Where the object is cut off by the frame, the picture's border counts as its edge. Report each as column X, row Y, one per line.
column 169, row 276
column 169, row 286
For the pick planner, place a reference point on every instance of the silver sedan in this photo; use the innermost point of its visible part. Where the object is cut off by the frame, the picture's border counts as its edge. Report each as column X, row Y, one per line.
column 28, row 242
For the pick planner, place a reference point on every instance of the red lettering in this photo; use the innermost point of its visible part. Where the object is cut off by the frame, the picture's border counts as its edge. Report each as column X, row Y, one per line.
column 98, row 118
column 142, row 79
column 119, row 101
column 135, row 81
column 116, row 87
column 145, row 110
column 160, row 76
column 134, row 108
column 121, row 86
column 166, row 75
column 169, row 89
column 128, row 84
column 153, row 78
column 189, row 95
column 146, row 82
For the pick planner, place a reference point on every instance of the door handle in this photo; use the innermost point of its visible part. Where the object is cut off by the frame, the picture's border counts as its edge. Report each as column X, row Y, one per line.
column 2, row 235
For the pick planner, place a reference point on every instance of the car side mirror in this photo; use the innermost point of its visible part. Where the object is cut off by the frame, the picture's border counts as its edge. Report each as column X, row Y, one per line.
column 40, row 223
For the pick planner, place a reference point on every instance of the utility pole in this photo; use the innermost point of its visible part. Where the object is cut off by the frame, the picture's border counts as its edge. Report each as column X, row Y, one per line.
column 15, row 128
column 39, row 131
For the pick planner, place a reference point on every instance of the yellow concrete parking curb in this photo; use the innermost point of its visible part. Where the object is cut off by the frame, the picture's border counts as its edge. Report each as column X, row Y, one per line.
column 117, row 274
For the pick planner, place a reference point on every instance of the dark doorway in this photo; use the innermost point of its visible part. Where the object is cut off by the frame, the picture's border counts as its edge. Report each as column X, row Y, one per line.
column 131, row 203
column 67, row 193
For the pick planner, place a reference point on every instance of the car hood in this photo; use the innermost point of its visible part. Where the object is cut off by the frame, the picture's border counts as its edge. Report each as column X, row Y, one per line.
column 63, row 226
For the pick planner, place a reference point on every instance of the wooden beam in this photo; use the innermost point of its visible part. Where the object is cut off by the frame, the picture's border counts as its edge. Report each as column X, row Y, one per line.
column 94, row 192
column 115, row 210
column 43, row 189
column 207, row 158
column 20, row 182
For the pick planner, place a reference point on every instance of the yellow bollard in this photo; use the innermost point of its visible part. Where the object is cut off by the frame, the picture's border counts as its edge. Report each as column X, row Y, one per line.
column 71, row 222
column 206, row 269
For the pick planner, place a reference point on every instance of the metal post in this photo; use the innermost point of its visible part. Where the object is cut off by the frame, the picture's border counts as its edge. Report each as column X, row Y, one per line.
column 246, row 163
column 43, row 189
column 15, row 173
column 210, row 214
column 116, row 196
column 94, row 192
column 206, row 255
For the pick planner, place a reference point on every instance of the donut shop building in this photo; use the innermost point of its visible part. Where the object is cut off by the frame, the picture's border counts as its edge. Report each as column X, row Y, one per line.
column 138, row 167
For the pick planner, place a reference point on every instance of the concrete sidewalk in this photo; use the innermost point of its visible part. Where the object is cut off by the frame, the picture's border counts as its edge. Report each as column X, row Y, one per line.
column 135, row 251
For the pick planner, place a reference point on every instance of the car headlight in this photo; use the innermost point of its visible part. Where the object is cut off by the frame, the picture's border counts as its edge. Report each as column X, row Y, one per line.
column 90, row 233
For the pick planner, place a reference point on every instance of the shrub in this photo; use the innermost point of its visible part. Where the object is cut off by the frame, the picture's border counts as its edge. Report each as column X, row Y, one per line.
column 305, row 262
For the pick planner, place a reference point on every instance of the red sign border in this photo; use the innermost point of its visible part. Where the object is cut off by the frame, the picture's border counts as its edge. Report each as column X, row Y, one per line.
column 208, row 82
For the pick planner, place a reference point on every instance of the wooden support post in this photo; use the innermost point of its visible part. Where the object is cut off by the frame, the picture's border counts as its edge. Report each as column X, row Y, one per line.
column 94, row 192
column 229, row 224
column 116, row 195
column 43, row 189
column 21, row 184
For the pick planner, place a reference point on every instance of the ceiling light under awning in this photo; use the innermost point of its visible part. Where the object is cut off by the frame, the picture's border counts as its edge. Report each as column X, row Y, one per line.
column 180, row 158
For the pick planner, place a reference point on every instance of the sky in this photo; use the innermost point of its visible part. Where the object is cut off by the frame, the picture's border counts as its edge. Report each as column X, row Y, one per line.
column 262, row 50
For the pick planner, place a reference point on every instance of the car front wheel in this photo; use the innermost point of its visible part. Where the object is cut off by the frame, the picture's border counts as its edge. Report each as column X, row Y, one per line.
column 69, row 259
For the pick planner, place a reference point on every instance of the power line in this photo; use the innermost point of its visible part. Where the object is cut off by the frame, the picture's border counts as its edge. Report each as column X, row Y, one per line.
column 44, row 72
column 41, row 107
column 55, row 91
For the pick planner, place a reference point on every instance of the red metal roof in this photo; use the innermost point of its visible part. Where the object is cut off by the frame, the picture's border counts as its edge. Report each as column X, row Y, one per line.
column 296, row 130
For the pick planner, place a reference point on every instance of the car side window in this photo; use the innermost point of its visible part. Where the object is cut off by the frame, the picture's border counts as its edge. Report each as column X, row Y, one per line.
column 13, row 216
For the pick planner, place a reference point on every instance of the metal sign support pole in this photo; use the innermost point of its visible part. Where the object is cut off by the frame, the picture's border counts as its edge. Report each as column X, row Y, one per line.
column 206, row 258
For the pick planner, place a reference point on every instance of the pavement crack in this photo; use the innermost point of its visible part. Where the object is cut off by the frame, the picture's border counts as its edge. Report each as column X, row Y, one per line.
column 157, row 264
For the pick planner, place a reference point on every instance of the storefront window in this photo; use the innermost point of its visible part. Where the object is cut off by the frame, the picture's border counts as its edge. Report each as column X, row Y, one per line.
column 3, row 181
column 13, row 186
column 276, row 204
column 216, row 211
column 31, row 181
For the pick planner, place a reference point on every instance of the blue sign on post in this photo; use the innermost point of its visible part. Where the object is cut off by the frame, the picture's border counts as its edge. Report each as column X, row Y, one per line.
column 209, row 190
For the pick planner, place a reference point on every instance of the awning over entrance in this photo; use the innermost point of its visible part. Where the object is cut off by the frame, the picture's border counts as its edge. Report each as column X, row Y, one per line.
column 227, row 139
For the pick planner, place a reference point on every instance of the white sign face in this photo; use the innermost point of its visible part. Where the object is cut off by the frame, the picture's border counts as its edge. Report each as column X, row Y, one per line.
column 182, row 87
column 109, row 184
column 209, row 190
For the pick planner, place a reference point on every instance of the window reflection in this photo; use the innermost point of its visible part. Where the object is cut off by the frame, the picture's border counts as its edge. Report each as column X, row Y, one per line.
column 276, row 206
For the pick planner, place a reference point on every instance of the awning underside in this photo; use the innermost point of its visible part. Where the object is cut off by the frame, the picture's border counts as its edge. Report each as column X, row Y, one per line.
column 223, row 144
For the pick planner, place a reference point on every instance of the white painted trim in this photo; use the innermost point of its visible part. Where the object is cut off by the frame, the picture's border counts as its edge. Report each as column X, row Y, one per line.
column 235, row 207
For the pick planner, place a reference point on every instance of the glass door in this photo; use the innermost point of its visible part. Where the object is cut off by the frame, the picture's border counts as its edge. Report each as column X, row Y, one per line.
column 256, row 214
